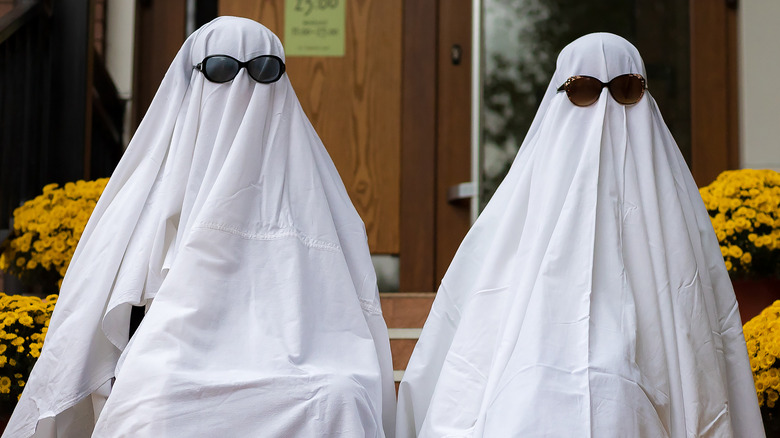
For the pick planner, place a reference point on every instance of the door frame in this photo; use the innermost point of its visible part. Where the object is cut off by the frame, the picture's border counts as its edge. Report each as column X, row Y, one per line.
column 426, row 243
column 714, row 89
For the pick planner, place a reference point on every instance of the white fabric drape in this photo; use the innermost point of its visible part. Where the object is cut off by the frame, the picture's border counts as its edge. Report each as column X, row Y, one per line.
column 590, row 298
column 227, row 218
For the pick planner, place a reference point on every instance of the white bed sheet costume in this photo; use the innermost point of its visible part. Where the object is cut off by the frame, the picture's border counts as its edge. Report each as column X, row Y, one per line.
column 590, row 298
column 227, row 217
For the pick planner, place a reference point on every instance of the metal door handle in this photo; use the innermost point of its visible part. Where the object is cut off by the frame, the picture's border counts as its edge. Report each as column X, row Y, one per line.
column 459, row 192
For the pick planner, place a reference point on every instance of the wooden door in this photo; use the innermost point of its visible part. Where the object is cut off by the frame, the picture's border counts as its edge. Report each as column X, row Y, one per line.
column 353, row 101
column 393, row 113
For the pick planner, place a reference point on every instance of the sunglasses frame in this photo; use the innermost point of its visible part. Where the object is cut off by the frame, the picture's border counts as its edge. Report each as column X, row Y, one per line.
column 241, row 64
column 565, row 86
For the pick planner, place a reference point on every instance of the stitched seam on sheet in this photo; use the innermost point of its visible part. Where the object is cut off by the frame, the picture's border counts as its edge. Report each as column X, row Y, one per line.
column 370, row 306
column 283, row 233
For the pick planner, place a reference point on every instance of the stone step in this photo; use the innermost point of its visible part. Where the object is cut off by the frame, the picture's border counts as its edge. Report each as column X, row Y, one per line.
column 405, row 313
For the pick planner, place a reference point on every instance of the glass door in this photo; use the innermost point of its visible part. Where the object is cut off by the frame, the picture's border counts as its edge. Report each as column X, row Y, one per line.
column 521, row 40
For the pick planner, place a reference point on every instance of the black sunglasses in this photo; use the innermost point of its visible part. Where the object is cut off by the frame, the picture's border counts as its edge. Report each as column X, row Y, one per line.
column 223, row 68
column 585, row 90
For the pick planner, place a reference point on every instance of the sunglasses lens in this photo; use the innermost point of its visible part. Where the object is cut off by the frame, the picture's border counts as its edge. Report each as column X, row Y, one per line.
column 626, row 89
column 220, row 68
column 583, row 91
column 265, row 69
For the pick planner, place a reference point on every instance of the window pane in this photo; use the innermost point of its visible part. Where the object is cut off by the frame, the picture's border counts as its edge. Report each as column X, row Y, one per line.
column 522, row 39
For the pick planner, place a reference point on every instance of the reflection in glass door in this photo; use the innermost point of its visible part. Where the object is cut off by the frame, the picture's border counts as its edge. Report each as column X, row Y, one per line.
column 520, row 43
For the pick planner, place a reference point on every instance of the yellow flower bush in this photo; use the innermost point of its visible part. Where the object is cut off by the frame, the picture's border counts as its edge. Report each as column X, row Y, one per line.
column 46, row 230
column 24, row 322
column 762, row 336
column 744, row 206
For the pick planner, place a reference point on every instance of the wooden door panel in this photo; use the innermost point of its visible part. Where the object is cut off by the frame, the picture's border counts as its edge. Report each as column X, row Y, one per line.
column 418, row 147
column 354, row 103
column 453, row 157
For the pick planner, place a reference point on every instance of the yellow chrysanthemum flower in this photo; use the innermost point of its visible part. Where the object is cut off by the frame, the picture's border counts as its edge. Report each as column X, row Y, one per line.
column 735, row 251
column 26, row 320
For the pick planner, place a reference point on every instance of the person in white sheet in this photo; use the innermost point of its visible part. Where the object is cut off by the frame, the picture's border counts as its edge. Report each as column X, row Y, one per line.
column 227, row 219
column 590, row 298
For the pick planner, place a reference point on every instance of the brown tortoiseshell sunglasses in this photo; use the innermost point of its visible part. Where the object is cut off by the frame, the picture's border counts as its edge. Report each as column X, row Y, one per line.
column 626, row 89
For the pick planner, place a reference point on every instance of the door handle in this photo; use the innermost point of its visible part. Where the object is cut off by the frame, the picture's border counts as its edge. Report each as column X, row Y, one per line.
column 462, row 191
